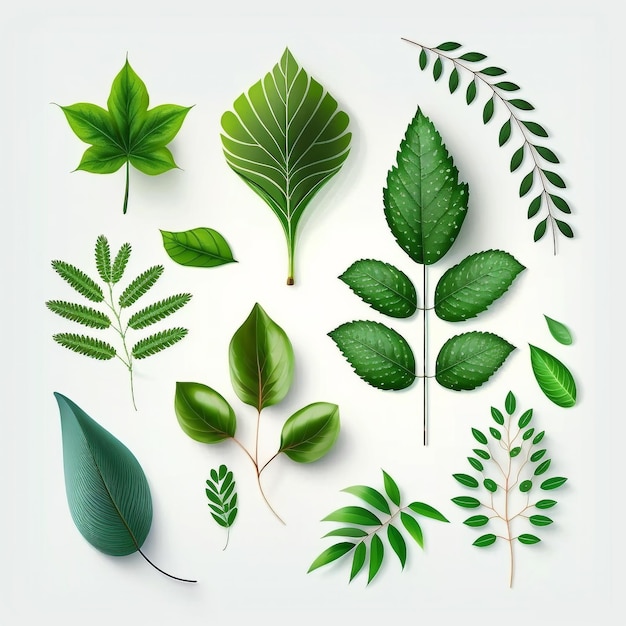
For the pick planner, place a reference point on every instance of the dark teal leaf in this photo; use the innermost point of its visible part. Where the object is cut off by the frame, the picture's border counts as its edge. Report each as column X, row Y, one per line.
column 488, row 110
column 564, row 228
column 554, row 178
column 473, row 57
column 517, row 158
column 560, row 204
column 527, row 183
column 534, row 206
column 521, row 104
column 505, row 133
column 470, row 94
column 448, row 46
column 437, row 68
column 535, row 129
column 547, row 154
column 453, row 81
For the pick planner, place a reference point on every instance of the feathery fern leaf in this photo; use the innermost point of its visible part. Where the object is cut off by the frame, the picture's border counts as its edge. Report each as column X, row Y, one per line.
column 78, row 280
column 78, row 313
column 140, row 286
column 103, row 258
column 119, row 264
column 158, row 311
column 88, row 346
column 157, row 342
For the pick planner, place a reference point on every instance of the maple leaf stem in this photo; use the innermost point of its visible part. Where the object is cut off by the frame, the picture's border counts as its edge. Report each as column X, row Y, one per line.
column 126, row 190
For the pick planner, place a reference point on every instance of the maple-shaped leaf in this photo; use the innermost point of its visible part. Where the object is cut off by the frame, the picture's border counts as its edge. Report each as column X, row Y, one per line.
column 127, row 133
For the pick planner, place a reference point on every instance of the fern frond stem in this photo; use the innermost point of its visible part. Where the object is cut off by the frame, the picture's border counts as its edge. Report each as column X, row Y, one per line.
column 184, row 580
column 425, row 352
column 125, row 208
column 512, row 116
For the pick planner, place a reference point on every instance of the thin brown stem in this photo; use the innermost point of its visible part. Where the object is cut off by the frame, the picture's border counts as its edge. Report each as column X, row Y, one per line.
column 258, row 478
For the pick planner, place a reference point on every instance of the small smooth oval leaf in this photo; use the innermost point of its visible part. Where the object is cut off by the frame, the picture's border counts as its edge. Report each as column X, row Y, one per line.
column 483, row 454
column 547, row 154
column 535, row 129
column 510, row 403
column 198, row 247
column 525, row 485
column 554, row 178
column 560, row 204
column 466, row 501
column 493, row 71
column 553, row 483
column 448, row 46
column 453, row 81
column 535, row 206
column 507, row 86
column 528, row 539
column 527, row 183
column 437, row 68
column 565, row 228
column 523, row 105
column 495, row 433
column 485, row 540
column 559, row 331
column 540, row 229
column 473, row 57
column 490, row 485
column 470, row 94
column 479, row 436
column 525, row 418
column 542, row 468
column 517, row 158
column 505, row 133
column 466, row 480
column 476, row 520
column 553, row 378
column 475, row 463
column 545, row 504
column 540, row 520
column 497, row 416
column 488, row 110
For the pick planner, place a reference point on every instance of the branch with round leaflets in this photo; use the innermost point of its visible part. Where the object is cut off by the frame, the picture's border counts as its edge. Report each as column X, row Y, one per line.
column 425, row 207
column 261, row 361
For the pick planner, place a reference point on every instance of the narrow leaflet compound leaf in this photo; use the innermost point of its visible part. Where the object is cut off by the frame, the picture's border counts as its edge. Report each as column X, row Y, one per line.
column 222, row 495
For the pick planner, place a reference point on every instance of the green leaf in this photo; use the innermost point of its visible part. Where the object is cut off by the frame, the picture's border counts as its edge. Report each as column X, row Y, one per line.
column 490, row 485
column 468, row 360
column 378, row 354
column 423, row 59
column 396, row 541
column 560, row 204
column 554, row 178
column 564, row 228
column 84, row 315
column 528, row 434
column 559, row 331
column 542, row 468
column 353, row 515
column 505, row 133
column 377, row 552
column 103, row 258
column 437, row 68
column 127, row 132
column 525, row 485
column 358, row 560
column 536, row 456
column 466, row 501
column 535, row 206
column 383, row 286
column 475, row 463
column 540, row 230
column 473, row 57
column 158, row 342
column 158, row 311
column 87, row 346
column 453, row 81
column 448, row 46
column 107, row 491
column 347, row 532
column 515, row 452
column 485, row 540
column 286, row 139
column 495, row 433
column 510, row 403
column 545, row 504
column 539, row 437
column 425, row 510
column 488, row 110
column 470, row 94
column 527, row 183
column 479, row 436
column 547, row 154
column 540, row 520
column 391, row 488
column 525, row 418
column 476, row 520
column 554, row 379
column 310, row 432
column 224, row 496
column 517, row 158
column 521, row 104
column 466, row 480
column 261, row 360
column 507, row 86
column 483, row 454
column 497, row 416
column 471, row 286
column 493, row 71
column 413, row 528
column 140, row 286
column 371, row 496
column 331, row 554
column 203, row 413
column 528, row 539
column 535, row 129
column 425, row 205
column 79, row 281
column 198, row 247
column 120, row 262
column 553, row 483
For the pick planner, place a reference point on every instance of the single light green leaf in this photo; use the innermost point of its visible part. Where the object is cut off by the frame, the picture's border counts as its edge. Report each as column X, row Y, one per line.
column 497, row 416
column 560, row 204
column 507, row 86
column 391, row 488
column 120, row 262
column 198, row 247
column 466, row 480
column 358, row 560
column 564, row 228
column 553, row 483
column 103, row 258
column 527, row 183
column 528, row 539
column 517, row 158
column 473, row 57
column 437, row 68
column 88, row 346
column 84, row 315
column 140, row 286
column 107, row 491
column 378, row 354
column 453, row 81
column 488, row 110
column 480, row 437
column 525, row 485
column 470, row 94
column 377, row 553
column 331, row 554
column 547, row 154
column 525, row 419
column 523, row 105
column 545, row 504
column 535, row 129
column 535, row 206
column 347, row 532
column 485, row 540
column 261, row 360
column 159, row 310
column 540, row 520
column 483, row 454
column 353, row 515
column 423, row 59
column 540, row 229
column 448, row 46
column 371, row 496
column 505, row 133
column 554, row 379
column 310, row 432
column 413, row 528
column 158, row 342
column 397, row 543
column 475, row 463
column 78, row 280
column 554, row 178
column 224, row 497
column 476, row 520
column 425, row 205
column 383, row 286
column 204, row 414
column 467, row 502
column 127, row 132
column 559, row 331
column 468, row 360
column 471, row 286
column 286, row 139
column 490, row 485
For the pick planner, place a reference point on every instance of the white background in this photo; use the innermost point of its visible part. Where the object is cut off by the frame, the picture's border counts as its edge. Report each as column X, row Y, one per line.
column 561, row 53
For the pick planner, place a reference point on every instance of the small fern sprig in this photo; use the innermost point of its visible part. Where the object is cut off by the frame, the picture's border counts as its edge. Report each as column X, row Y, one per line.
column 541, row 175
column 518, row 465
column 360, row 518
column 222, row 498
column 111, row 273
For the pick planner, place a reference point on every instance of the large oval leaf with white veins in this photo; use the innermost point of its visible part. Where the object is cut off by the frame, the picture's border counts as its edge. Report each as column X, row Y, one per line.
column 468, row 288
column 378, row 354
column 425, row 204
column 554, row 379
column 198, row 247
column 468, row 360
column 107, row 491
column 261, row 360
column 383, row 286
column 286, row 138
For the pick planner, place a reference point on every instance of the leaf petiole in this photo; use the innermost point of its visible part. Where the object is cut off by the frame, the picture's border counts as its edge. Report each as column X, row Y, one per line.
column 127, row 187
